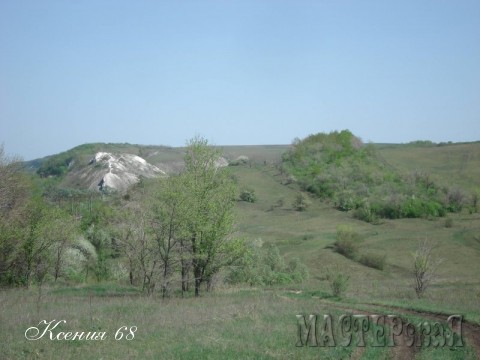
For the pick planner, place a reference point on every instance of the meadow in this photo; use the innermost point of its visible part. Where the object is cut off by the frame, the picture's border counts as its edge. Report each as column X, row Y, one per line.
column 242, row 322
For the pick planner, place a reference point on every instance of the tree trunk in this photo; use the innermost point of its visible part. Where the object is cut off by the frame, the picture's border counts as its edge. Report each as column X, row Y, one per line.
column 198, row 282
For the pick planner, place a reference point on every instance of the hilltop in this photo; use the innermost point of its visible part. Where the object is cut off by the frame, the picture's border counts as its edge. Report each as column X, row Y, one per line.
column 449, row 165
column 98, row 166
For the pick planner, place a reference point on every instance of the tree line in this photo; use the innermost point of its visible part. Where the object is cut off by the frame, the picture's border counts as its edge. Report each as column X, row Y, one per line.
column 174, row 234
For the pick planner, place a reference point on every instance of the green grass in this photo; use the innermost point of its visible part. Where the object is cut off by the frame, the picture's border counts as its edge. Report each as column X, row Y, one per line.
column 310, row 234
column 260, row 324
column 450, row 165
column 225, row 325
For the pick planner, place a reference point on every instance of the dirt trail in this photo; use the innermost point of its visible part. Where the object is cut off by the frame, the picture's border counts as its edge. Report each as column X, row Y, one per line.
column 470, row 331
column 401, row 351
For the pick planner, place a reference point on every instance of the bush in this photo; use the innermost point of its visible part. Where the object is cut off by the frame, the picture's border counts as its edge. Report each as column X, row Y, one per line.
column 241, row 160
column 301, row 202
column 425, row 266
column 348, row 242
column 375, row 261
column 448, row 223
column 297, row 270
column 454, row 200
column 417, row 208
column 248, row 195
column 345, row 201
column 265, row 266
column 365, row 213
column 338, row 282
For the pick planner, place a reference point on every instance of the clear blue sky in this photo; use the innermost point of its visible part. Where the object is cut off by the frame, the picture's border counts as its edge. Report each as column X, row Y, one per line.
column 236, row 72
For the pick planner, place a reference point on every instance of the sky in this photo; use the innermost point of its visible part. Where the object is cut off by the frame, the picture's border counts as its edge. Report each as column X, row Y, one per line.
column 236, row 72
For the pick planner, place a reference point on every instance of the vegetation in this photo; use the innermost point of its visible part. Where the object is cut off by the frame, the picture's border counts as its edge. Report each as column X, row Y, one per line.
column 373, row 260
column 348, row 242
column 338, row 281
column 301, row 202
column 121, row 258
column 425, row 266
column 265, row 266
column 248, row 195
column 340, row 168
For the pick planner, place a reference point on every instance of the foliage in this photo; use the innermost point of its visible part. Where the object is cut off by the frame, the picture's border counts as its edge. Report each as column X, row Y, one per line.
column 33, row 243
column 180, row 227
column 373, row 260
column 56, row 165
column 448, row 222
column 14, row 185
column 339, row 167
column 241, row 160
column 347, row 242
column 263, row 265
column 209, row 221
column 338, row 281
column 248, row 195
column 301, row 202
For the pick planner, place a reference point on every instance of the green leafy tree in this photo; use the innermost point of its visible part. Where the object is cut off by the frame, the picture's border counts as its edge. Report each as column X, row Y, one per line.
column 209, row 207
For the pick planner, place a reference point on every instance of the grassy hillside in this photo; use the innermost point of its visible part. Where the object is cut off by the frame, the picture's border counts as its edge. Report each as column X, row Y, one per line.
column 448, row 164
column 260, row 322
column 310, row 236
column 339, row 168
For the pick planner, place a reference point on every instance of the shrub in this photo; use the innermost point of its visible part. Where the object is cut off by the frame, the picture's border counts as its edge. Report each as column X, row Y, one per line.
column 248, row 195
column 416, row 208
column 347, row 242
column 265, row 266
column 425, row 266
column 241, row 160
column 301, row 202
column 297, row 270
column 338, row 282
column 365, row 213
column 345, row 201
column 280, row 202
column 454, row 200
column 375, row 261
column 448, row 223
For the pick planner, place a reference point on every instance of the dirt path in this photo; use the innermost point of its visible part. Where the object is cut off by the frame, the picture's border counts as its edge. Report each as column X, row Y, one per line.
column 401, row 351
column 470, row 331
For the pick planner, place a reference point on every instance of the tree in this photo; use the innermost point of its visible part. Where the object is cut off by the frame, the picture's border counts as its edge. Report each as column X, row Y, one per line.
column 137, row 246
column 209, row 208
column 167, row 226
column 13, row 184
column 425, row 266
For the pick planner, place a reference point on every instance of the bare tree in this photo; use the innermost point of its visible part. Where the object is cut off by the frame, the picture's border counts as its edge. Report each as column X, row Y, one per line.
column 167, row 225
column 138, row 247
column 13, row 187
column 425, row 266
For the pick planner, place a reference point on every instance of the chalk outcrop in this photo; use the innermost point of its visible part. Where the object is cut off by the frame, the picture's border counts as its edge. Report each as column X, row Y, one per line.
column 107, row 171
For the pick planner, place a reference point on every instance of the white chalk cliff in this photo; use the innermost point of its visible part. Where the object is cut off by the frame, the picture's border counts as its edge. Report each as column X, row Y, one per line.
column 107, row 171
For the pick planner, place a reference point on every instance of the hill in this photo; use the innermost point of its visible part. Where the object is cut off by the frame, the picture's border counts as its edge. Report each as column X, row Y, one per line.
column 339, row 168
column 123, row 164
column 449, row 164
column 234, row 319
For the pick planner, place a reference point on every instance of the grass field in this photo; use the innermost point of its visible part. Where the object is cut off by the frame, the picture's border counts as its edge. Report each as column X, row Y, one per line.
column 260, row 323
